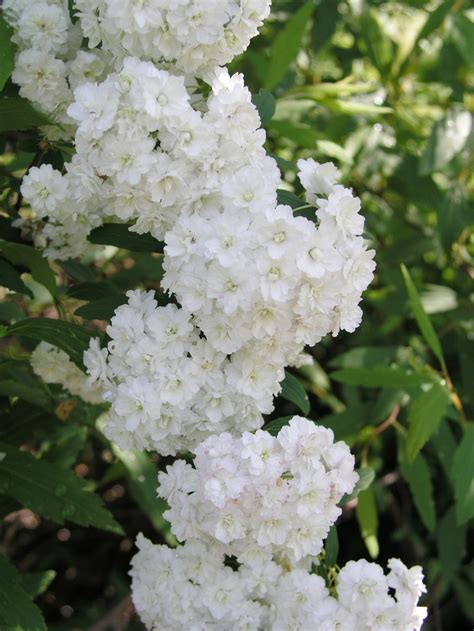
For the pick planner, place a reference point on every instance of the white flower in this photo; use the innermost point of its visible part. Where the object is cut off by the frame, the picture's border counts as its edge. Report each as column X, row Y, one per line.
column 44, row 189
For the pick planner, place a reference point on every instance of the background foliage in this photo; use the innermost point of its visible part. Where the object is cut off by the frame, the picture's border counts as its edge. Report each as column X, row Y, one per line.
column 383, row 89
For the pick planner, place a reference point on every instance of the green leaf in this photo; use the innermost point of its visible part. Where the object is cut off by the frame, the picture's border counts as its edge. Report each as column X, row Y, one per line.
column 10, row 311
column 20, row 254
column 379, row 46
column 366, row 512
column 381, row 377
column 448, row 137
column 92, row 291
column 63, row 446
column 274, row 426
column 356, row 107
column 36, row 583
column 289, row 199
column 325, row 23
column 24, row 422
column 462, row 35
column 78, row 271
column 417, row 476
column 7, row 52
column 101, row 309
column 365, row 356
column 366, row 477
column 70, row 338
column 292, row 390
column 142, row 479
column 462, row 474
column 424, row 417
column 451, row 542
column 445, row 445
column 37, row 396
column 17, row 612
column 118, row 234
column 435, row 19
column 11, row 279
column 424, row 323
column 455, row 213
column 264, row 101
column 17, row 114
column 331, row 547
column 346, row 424
column 51, row 491
column 287, row 44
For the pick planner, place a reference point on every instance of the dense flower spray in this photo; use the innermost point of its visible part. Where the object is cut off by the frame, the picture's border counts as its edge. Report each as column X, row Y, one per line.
column 254, row 284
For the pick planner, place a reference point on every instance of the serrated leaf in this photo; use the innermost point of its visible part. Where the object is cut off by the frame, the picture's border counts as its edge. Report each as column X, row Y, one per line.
column 274, row 426
column 69, row 337
column 462, row 474
column 367, row 517
column 51, row 491
column 287, row 44
column 451, row 542
column 381, row 377
column 17, row 611
column 264, row 101
column 102, row 309
column 331, row 547
column 424, row 416
column 292, row 390
column 18, row 114
column 20, row 254
column 7, row 52
column 11, row 279
column 423, row 321
column 366, row 477
column 118, row 234
column 417, row 476
column 142, row 479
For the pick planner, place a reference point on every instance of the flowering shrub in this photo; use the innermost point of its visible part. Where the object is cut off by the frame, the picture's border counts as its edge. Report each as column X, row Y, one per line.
column 166, row 146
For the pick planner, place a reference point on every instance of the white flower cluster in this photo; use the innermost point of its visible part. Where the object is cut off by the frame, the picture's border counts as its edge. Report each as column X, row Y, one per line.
column 192, row 36
column 49, row 63
column 259, row 494
column 196, row 587
column 54, row 366
column 253, row 513
column 140, row 143
column 255, row 287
